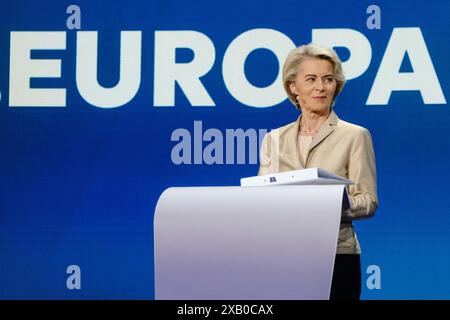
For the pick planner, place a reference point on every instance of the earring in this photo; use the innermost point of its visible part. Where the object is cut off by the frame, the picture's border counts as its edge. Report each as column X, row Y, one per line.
column 297, row 104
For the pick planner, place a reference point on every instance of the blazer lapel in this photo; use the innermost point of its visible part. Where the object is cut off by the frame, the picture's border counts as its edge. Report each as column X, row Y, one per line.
column 324, row 131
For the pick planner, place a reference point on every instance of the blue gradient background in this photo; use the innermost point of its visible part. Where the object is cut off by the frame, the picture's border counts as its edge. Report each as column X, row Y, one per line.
column 79, row 184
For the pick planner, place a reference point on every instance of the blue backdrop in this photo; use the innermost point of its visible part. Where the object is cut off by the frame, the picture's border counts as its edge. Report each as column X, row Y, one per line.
column 79, row 182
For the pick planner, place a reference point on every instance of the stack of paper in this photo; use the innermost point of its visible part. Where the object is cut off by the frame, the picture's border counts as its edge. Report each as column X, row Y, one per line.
column 298, row 177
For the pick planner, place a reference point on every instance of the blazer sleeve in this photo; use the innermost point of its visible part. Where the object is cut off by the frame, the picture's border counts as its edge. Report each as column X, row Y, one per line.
column 362, row 170
column 265, row 157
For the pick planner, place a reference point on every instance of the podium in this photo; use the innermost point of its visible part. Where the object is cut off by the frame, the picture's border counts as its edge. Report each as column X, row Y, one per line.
column 246, row 243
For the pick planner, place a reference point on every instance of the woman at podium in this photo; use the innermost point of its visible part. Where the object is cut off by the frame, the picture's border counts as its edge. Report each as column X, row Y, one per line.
column 313, row 78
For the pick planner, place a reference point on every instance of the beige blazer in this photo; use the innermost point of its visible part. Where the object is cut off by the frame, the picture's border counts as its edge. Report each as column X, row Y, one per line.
column 340, row 147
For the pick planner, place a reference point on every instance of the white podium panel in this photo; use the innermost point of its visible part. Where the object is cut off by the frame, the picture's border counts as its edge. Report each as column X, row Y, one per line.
column 227, row 243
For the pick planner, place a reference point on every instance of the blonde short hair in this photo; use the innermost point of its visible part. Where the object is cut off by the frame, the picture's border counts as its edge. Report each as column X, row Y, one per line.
column 300, row 54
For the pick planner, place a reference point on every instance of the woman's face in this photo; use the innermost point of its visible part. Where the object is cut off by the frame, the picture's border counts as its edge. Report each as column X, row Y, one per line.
column 315, row 85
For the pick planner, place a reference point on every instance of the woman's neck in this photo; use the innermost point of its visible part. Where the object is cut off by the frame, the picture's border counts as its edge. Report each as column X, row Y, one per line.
column 312, row 122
